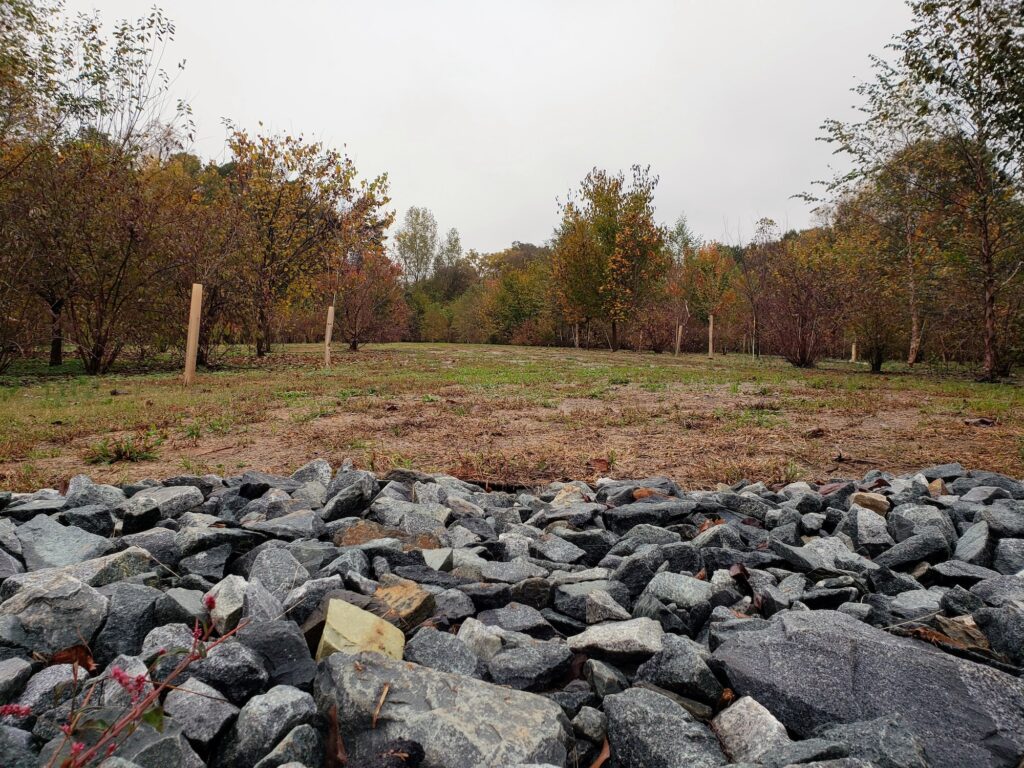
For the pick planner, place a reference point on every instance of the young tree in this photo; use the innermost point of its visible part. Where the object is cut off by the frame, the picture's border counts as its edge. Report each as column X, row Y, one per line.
column 416, row 245
column 753, row 264
column 709, row 274
column 370, row 302
column 291, row 193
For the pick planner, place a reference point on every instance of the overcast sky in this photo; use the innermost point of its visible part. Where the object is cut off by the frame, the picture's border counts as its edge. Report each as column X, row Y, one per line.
column 487, row 112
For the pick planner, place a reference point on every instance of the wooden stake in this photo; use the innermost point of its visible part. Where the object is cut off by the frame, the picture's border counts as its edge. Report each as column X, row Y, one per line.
column 711, row 336
column 853, row 353
column 679, row 339
column 192, row 344
column 327, row 336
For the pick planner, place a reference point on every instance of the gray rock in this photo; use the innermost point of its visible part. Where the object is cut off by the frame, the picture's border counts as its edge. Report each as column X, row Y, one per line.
column 278, row 571
column 884, row 741
column 930, row 545
column 1004, row 628
column 1000, row 590
column 229, row 600
column 556, row 549
column 604, row 679
column 14, row 673
column 747, row 730
column 647, row 730
column 317, row 470
column 907, row 520
column 685, row 591
column 636, row 637
column 171, row 501
column 46, row 543
column 460, row 722
column 976, row 545
column 234, row 670
column 282, row 649
column 301, row 747
column 16, row 747
column 94, row 494
column 131, row 615
column 263, row 722
column 530, row 666
column 571, row 599
column 46, row 690
column 209, row 563
column 1009, row 556
column 516, row 617
column 201, row 711
column 441, row 651
column 680, row 667
column 178, row 605
column 55, row 615
column 258, row 604
column 511, row 572
column 93, row 518
column 825, row 668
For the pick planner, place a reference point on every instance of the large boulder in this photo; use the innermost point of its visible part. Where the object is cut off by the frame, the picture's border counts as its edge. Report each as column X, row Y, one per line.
column 53, row 616
column 814, row 669
column 45, row 543
column 460, row 722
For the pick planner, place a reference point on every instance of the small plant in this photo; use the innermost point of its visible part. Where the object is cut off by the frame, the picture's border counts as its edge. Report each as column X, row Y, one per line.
column 132, row 448
column 193, row 432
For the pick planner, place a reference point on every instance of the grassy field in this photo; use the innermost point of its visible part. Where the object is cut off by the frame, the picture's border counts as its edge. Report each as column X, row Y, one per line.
column 503, row 415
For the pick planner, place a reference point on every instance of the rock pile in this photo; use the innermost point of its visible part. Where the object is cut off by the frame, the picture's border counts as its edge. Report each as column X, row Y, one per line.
column 338, row 618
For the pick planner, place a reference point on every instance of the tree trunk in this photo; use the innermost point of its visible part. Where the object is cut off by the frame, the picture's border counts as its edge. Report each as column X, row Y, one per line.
column 353, row 344
column 615, row 336
column 576, row 335
column 755, row 348
column 711, row 336
column 56, row 337
column 679, row 338
column 989, row 367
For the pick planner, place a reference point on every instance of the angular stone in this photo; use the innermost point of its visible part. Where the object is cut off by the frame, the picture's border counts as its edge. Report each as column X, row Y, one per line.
column 94, row 518
column 131, row 615
column 202, row 711
column 232, row 669
column 1009, row 556
column 516, row 617
column 929, row 546
column 229, row 598
column 647, row 730
column 681, row 667
column 976, row 545
column 263, row 722
column 530, row 666
column 636, row 637
column 556, row 549
column 14, row 673
column 685, row 591
column 884, row 742
column 747, row 730
column 818, row 668
column 301, row 747
column 460, row 722
column 601, row 606
column 441, row 651
column 172, row 501
column 55, row 615
column 46, row 543
column 406, row 604
column 279, row 572
column 282, row 649
column 349, row 630
column 876, row 502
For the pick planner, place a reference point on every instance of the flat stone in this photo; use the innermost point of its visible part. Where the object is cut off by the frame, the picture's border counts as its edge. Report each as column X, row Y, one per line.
column 747, row 730
column 530, row 666
column 56, row 615
column 460, row 722
column 46, row 543
column 601, row 606
column 556, row 549
column 441, row 651
column 171, row 501
column 234, row 670
column 636, row 637
column 819, row 668
column 406, row 604
column 876, row 502
column 349, row 630
column 282, row 649
column 278, row 571
column 131, row 615
column 648, row 730
column 685, row 591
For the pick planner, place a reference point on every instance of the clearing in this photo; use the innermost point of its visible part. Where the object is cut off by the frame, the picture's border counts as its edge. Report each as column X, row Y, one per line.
column 504, row 415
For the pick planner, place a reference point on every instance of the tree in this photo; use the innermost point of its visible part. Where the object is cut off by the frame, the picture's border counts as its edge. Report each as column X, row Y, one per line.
column 708, row 275
column 802, row 307
column 753, row 263
column 608, row 251
column 291, row 193
column 370, row 304
column 956, row 78
column 416, row 245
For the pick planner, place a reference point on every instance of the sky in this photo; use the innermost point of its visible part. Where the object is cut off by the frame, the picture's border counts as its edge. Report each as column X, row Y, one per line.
column 488, row 113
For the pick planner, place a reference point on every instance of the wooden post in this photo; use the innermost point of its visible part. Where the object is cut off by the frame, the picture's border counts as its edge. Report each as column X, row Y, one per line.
column 711, row 336
column 327, row 336
column 192, row 345
column 679, row 338
column 853, row 353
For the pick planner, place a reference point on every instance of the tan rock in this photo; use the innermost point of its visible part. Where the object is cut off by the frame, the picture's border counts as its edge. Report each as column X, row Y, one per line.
column 937, row 488
column 403, row 602
column 876, row 502
column 349, row 629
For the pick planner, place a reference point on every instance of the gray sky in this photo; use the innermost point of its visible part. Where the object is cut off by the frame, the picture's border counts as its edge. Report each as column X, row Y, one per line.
column 488, row 112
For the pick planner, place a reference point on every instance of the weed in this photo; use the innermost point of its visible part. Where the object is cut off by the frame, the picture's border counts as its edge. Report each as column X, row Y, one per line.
column 133, row 448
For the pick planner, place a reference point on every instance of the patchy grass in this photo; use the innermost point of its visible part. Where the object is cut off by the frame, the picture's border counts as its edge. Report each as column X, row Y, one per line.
column 502, row 414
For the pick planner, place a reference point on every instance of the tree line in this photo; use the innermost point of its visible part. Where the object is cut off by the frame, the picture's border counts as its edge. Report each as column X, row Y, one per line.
column 105, row 220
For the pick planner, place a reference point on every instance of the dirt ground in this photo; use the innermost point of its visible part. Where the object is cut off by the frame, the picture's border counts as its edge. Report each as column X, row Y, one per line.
column 509, row 416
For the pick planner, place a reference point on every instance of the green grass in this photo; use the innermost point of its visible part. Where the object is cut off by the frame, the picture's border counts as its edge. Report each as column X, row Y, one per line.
column 377, row 403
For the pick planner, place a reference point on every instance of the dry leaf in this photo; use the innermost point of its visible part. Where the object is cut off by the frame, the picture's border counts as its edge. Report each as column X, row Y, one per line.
column 76, row 654
column 606, row 752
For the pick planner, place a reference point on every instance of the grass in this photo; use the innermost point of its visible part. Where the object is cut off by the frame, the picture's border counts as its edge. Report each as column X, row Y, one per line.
column 502, row 414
